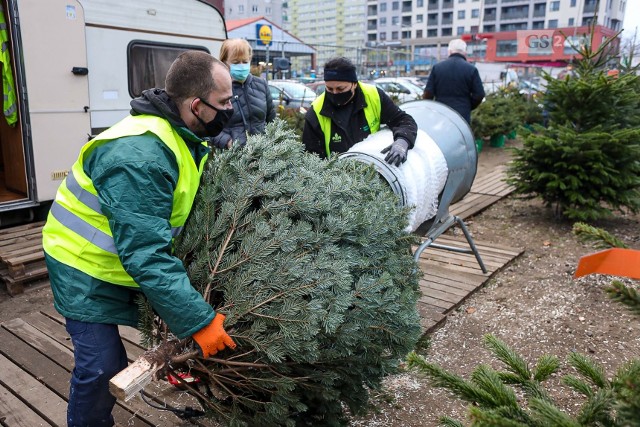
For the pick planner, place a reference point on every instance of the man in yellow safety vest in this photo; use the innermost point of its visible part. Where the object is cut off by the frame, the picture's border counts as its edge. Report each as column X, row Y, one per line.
column 109, row 234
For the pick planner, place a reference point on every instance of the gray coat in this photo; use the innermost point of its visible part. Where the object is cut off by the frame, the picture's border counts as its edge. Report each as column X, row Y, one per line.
column 252, row 110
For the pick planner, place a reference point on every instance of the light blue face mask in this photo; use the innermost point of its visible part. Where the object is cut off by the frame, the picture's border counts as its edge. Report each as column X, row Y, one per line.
column 239, row 72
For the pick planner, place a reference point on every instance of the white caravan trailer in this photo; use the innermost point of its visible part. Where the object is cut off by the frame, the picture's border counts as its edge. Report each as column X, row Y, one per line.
column 76, row 65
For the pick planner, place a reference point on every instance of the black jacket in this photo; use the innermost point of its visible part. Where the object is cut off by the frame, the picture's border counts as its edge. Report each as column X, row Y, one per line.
column 252, row 109
column 350, row 124
column 457, row 84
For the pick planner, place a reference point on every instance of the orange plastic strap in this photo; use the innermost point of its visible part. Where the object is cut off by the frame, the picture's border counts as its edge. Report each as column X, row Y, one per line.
column 614, row 262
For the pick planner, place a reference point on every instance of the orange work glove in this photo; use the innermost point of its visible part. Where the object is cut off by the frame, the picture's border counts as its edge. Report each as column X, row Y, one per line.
column 213, row 338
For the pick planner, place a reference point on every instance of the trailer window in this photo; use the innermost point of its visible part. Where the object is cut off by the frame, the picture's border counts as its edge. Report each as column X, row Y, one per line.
column 149, row 62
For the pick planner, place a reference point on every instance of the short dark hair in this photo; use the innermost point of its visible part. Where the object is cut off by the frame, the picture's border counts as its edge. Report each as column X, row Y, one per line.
column 190, row 75
column 340, row 64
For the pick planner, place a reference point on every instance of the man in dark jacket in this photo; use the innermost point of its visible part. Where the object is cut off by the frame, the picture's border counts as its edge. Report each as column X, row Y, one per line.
column 455, row 82
column 349, row 111
column 109, row 234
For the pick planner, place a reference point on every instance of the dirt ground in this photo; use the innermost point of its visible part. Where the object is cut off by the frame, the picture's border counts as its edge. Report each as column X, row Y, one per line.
column 534, row 305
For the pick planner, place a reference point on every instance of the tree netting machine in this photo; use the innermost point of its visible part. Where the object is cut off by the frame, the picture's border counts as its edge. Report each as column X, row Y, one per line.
column 439, row 171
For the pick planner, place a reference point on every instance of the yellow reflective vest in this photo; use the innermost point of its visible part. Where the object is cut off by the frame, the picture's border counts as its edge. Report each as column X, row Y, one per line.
column 77, row 233
column 9, row 105
column 371, row 112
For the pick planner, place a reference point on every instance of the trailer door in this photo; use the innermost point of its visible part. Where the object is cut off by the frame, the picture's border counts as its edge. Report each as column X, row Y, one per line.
column 55, row 79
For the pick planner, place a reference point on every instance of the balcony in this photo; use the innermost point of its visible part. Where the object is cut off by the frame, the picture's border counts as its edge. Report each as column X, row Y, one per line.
column 447, row 4
column 433, row 4
column 539, row 13
column 514, row 15
column 447, row 21
column 487, row 2
column 488, row 17
column 372, row 25
column 432, row 22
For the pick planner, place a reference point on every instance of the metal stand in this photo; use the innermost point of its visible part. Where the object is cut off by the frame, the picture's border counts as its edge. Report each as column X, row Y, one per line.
column 440, row 227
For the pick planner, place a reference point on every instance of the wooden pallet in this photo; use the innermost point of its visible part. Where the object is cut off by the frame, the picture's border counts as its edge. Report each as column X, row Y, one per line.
column 450, row 277
column 21, row 256
column 484, row 192
column 36, row 359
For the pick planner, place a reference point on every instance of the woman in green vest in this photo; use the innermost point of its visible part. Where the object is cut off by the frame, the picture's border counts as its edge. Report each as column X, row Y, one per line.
column 108, row 237
column 349, row 111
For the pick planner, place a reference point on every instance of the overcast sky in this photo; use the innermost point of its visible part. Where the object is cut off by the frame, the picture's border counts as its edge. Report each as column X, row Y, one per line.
column 631, row 18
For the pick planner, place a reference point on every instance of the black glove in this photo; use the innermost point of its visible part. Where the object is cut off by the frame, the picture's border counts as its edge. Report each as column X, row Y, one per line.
column 396, row 152
column 222, row 141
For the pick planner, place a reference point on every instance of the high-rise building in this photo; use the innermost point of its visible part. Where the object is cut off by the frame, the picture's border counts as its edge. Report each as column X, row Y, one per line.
column 332, row 27
column 421, row 29
column 243, row 9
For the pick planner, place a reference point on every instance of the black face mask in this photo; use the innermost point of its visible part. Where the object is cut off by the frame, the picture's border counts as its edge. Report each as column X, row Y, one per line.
column 215, row 126
column 339, row 99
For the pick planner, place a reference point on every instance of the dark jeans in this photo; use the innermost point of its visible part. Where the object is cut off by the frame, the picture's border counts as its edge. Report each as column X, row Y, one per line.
column 99, row 355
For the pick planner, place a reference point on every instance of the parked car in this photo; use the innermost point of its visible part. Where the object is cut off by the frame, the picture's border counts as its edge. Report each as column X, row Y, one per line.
column 399, row 88
column 421, row 81
column 530, row 88
column 290, row 94
column 317, row 87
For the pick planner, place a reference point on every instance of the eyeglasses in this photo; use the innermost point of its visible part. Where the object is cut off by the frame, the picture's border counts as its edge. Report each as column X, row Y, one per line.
column 215, row 108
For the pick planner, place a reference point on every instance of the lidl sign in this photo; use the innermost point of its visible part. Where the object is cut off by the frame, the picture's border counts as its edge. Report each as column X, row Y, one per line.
column 263, row 34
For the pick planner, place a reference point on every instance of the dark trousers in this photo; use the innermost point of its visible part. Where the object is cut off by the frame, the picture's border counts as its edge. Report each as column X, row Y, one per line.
column 99, row 355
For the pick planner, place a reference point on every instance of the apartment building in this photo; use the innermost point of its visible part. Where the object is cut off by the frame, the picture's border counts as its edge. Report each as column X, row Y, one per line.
column 421, row 29
column 332, row 27
column 244, row 9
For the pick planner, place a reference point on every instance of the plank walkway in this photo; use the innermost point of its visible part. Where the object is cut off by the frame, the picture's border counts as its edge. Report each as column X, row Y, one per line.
column 451, row 277
column 36, row 355
column 36, row 358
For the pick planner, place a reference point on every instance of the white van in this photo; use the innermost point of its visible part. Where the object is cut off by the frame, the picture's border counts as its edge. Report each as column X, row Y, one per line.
column 76, row 66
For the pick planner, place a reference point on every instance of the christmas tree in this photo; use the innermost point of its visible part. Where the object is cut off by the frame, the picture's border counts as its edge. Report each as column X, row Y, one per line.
column 586, row 163
column 309, row 261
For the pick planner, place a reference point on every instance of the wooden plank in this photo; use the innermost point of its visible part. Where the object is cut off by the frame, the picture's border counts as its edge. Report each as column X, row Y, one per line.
column 31, row 270
column 472, row 271
column 59, row 332
column 425, row 286
column 62, row 355
column 493, row 187
column 39, row 398
column 468, row 260
column 14, row 288
column 23, row 250
column 22, row 228
column 8, row 245
column 443, row 295
column 159, row 391
column 444, row 305
column 485, row 247
column 14, row 413
column 430, row 317
column 479, row 204
column 441, row 271
column 491, row 253
column 21, row 260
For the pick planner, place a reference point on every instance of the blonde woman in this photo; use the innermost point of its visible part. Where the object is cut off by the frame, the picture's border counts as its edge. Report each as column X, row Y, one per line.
column 252, row 103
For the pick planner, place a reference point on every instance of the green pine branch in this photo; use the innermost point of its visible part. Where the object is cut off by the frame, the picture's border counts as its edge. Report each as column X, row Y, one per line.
column 626, row 295
column 612, row 403
column 311, row 264
column 601, row 238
